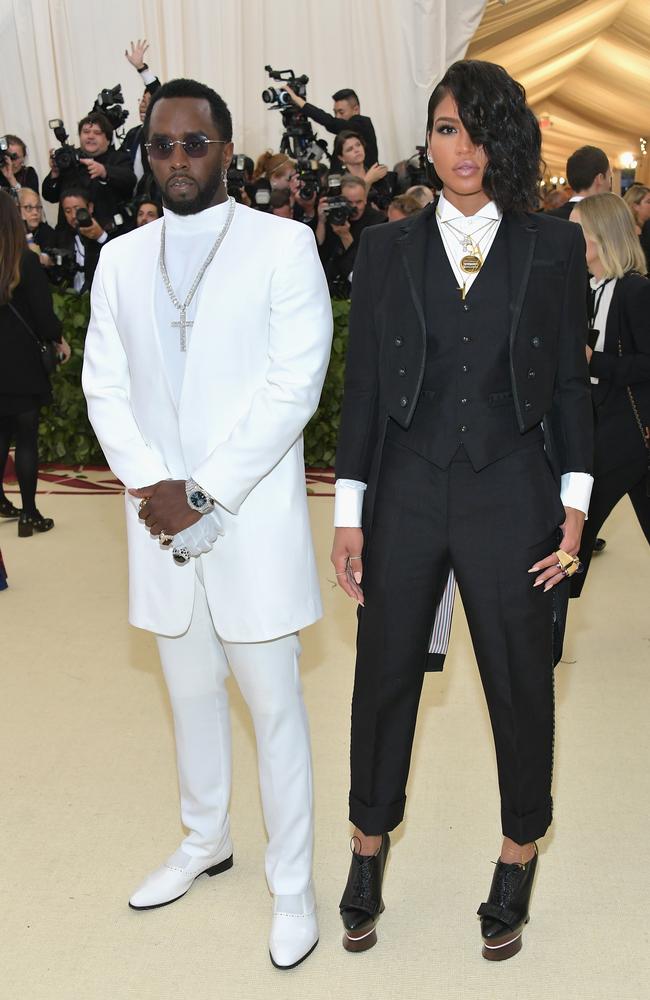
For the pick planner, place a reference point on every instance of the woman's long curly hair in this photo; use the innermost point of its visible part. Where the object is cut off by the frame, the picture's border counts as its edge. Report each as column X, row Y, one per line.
column 492, row 107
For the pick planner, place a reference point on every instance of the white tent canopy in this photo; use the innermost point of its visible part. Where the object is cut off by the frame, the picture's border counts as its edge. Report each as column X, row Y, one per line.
column 585, row 65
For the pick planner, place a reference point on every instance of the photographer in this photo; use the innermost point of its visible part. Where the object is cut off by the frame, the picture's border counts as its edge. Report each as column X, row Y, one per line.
column 132, row 140
column 81, row 233
column 347, row 115
column 105, row 173
column 350, row 153
column 339, row 242
column 147, row 211
column 38, row 233
column 13, row 173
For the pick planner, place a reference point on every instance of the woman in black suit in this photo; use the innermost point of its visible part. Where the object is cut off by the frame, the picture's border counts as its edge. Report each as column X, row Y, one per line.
column 466, row 443
column 619, row 364
column 25, row 301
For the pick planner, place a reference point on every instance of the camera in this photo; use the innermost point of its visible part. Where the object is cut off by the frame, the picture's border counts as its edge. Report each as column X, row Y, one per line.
column 109, row 101
column 83, row 217
column 5, row 155
column 279, row 98
column 417, row 169
column 64, row 265
column 337, row 208
column 298, row 138
column 66, row 156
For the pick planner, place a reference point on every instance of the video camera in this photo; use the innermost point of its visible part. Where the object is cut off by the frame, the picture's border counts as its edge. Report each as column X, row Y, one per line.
column 109, row 102
column 298, row 139
column 67, row 156
column 5, row 155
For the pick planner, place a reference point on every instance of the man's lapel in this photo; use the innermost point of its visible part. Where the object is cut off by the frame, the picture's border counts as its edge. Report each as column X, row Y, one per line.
column 412, row 245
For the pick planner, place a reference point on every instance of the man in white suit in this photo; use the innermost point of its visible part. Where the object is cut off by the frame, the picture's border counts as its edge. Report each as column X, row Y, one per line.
column 205, row 357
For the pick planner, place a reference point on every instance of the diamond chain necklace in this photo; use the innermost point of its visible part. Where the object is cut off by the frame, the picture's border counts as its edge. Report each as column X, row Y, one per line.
column 184, row 323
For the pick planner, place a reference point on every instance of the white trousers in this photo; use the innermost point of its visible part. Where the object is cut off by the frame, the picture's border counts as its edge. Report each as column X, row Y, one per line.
column 196, row 665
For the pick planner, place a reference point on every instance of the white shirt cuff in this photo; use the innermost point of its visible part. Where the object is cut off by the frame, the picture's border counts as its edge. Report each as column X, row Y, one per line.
column 575, row 490
column 147, row 76
column 348, row 503
column 103, row 237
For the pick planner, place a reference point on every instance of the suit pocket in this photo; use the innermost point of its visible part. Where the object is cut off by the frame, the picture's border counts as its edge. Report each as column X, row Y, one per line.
column 499, row 398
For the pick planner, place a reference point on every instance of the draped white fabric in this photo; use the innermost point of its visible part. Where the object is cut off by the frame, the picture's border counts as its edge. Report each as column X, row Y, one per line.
column 56, row 55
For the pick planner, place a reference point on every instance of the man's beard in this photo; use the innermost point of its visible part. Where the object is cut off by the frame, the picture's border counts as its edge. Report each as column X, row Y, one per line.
column 200, row 202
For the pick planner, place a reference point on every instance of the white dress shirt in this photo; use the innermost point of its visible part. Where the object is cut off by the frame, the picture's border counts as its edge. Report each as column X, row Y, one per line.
column 604, row 300
column 576, row 487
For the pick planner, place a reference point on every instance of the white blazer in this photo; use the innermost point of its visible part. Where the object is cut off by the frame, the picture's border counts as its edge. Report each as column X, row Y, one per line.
column 254, row 371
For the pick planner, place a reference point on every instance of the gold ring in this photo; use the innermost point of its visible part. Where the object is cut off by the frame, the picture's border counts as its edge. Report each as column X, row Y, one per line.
column 341, row 574
column 567, row 563
column 142, row 504
column 350, row 558
column 165, row 539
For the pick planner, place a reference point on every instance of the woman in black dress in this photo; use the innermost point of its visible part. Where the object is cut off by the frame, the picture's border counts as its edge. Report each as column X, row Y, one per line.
column 466, row 443
column 619, row 365
column 26, row 313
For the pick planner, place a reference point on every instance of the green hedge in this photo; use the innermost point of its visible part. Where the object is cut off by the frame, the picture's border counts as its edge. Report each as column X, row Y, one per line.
column 66, row 436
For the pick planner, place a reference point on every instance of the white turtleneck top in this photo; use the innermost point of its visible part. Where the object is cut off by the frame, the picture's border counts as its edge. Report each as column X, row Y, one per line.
column 188, row 241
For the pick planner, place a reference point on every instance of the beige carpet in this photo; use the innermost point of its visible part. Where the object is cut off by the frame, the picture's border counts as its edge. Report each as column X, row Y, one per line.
column 89, row 801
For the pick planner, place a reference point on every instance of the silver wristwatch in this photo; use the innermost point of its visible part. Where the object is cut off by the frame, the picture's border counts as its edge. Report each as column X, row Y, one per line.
column 197, row 498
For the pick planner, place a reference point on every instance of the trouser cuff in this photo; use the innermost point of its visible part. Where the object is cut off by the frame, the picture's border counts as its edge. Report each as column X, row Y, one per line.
column 524, row 829
column 375, row 820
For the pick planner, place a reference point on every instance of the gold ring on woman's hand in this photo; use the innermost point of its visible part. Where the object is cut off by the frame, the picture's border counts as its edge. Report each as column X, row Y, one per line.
column 567, row 563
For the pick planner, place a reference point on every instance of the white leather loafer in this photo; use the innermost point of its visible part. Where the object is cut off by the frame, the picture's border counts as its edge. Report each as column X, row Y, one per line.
column 294, row 929
column 173, row 879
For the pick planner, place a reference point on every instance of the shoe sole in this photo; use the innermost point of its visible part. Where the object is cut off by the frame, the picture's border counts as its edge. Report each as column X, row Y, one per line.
column 505, row 948
column 365, row 937
column 295, row 965
column 223, row 866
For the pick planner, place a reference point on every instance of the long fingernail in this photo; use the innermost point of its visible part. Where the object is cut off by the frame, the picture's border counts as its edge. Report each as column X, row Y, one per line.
column 547, row 587
column 538, row 583
column 357, row 577
column 533, row 569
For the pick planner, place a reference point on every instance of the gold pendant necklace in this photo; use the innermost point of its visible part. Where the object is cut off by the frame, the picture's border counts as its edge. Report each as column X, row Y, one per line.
column 472, row 262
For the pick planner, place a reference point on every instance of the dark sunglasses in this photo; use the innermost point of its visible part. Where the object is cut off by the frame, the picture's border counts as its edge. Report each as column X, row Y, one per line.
column 195, row 145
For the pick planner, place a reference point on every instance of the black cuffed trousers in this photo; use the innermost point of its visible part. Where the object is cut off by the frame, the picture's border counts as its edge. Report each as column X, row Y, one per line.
column 490, row 526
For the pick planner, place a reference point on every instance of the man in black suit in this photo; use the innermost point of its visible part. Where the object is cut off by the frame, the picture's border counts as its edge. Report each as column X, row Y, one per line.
column 347, row 116
column 588, row 172
column 132, row 140
column 81, row 234
column 106, row 173
column 338, row 244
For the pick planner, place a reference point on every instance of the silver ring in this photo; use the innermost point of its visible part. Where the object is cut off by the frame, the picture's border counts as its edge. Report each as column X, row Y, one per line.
column 350, row 558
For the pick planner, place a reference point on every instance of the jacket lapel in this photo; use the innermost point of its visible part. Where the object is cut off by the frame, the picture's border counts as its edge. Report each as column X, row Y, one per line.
column 521, row 234
column 412, row 246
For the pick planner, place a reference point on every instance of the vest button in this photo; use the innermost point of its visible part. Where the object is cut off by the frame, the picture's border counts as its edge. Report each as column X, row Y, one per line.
column 402, row 372
column 527, row 404
column 404, row 401
column 467, row 340
column 531, row 373
column 465, row 368
column 463, row 428
column 398, row 341
column 463, row 402
column 536, row 342
column 465, row 307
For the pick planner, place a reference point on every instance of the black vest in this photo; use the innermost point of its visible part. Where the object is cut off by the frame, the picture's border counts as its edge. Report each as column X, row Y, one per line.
column 466, row 397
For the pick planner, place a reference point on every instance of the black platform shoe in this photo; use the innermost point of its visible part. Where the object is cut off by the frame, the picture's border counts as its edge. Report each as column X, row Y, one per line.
column 7, row 509
column 506, row 912
column 362, row 901
column 33, row 522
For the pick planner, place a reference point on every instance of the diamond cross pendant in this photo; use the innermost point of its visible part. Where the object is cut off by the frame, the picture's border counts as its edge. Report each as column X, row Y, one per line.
column 183, row 325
